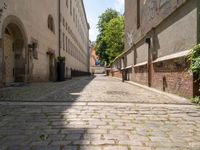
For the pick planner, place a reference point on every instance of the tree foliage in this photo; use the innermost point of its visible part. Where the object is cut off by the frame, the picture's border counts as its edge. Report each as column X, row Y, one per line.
column 109, row 42
column 113, row 35
column 194, row 58
column 105, row 18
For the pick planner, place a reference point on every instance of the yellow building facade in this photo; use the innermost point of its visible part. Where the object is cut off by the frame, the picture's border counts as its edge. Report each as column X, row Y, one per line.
column 34, row 33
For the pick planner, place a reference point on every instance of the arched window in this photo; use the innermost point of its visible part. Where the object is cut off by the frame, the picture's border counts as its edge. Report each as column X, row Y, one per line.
column 51, row 23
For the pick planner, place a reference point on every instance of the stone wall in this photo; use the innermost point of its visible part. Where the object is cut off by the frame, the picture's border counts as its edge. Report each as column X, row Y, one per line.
column 97, row 70
column 141, row 53
column 74, row 35
column 171, row 26
column 130, row 58
column 33, row 15
column 178, row 32
column 35, row 26
column 152, row 13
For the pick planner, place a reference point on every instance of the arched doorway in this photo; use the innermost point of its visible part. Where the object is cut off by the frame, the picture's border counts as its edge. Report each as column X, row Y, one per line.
column 14, row 52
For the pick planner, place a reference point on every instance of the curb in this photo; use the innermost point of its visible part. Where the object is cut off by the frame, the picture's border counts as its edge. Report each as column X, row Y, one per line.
column 157, row 91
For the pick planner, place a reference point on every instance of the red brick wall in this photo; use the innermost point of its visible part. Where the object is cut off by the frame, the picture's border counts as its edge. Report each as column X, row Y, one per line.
column 140, row 75
column 173, row 77
column 117, row 74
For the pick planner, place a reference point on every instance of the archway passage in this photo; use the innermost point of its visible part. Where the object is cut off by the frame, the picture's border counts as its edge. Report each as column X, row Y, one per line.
column 14, row 54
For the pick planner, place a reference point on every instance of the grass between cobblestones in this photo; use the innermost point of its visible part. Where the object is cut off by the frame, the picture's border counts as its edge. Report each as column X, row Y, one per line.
column 196, row 100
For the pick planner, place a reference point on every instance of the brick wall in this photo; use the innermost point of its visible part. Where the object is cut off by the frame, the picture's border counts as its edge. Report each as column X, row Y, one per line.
column 173, row 76
column 163, row 23
column 116, row 74
column 140, row 75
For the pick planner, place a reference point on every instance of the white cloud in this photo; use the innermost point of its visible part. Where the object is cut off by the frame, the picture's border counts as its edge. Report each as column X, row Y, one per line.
column 119, row 5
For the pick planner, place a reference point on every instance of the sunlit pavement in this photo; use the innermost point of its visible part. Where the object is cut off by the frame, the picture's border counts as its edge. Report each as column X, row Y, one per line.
column 95, row 113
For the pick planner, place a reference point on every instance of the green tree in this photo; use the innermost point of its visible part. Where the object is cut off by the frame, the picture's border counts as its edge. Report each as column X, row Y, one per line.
column 113, row 36
column 194, row 60
column 101, row 49
column 109, row 42
column 105, row 18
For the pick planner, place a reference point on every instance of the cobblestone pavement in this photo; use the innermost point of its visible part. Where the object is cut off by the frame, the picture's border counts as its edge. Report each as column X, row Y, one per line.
column 96, row 114
column 87, row 89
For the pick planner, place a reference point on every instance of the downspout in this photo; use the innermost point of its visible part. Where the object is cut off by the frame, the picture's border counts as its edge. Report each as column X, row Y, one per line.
column 148, row 41
column 59, row 19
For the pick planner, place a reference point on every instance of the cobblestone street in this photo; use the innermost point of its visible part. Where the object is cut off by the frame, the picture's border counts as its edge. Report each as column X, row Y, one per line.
column 95, row 113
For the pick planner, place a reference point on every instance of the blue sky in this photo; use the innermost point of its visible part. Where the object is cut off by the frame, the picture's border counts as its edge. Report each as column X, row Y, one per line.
column 94, row 8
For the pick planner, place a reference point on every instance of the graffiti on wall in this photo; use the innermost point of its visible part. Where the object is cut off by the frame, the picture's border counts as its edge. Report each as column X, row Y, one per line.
column 130, row 38
column 163, row 2
column 152, row 6
column 150, row 9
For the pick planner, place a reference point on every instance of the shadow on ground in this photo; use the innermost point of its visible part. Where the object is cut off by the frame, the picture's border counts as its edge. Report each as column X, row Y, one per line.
column 42, row 127
column 46, row 92
column 39, row 128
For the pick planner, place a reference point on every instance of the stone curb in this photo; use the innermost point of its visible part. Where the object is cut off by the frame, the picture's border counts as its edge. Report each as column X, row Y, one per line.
column 185, row 100
column 82, row 104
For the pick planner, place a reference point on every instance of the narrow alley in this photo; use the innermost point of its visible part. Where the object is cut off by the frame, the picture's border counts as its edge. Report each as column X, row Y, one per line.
column 95, row 113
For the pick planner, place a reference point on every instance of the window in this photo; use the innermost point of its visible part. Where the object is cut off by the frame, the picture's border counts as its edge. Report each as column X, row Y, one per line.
column 51, row 23
column 35, row 50
column 69, row 29
column 67, row 3
column 70, row 7
column 76, row 20
column 73, row 14
column 35, row 47
column 63, row 41
column 138, row 13
column 63, row 21
column 66, row 26
column 66, row 44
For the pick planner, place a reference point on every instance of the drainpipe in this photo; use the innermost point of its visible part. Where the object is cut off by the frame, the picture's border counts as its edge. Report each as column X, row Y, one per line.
column 148, row 41
column 59, row 19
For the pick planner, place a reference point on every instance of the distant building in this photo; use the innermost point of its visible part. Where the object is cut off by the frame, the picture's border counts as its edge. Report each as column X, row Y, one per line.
column 74, row 37
column 93, row 57
column 159, row 36
column 34, row 33
column 95, row 63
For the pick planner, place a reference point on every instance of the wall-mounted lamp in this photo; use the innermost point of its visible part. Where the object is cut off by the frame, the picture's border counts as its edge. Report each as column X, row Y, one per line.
column 148, row 40
column 33, row 46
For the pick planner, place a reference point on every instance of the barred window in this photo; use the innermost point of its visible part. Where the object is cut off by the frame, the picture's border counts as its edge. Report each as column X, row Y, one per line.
column 51, row 24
